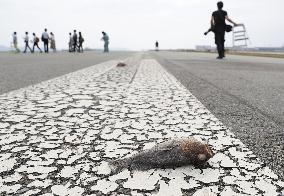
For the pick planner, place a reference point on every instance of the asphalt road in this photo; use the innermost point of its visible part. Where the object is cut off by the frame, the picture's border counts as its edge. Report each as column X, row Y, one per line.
column 245, row 93
column 69, row 128
column 65, row 136
column 20, row 70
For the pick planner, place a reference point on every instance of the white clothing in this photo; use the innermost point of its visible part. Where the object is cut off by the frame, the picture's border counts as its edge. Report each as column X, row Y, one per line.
column 45, row 35
column 15, row 39
column 26, row 38
column 52, row 38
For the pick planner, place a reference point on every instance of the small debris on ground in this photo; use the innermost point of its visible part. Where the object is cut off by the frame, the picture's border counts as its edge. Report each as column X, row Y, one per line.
column 121, row 64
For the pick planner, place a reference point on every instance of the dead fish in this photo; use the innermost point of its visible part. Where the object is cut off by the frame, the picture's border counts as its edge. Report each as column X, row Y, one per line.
column 121, row 64
column 171, row 153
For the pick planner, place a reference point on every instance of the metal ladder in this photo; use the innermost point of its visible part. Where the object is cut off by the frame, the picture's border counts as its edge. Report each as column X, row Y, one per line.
column 240, row 36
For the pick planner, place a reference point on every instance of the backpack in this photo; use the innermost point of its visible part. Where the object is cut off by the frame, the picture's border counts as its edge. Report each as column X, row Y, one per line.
column 36, row 40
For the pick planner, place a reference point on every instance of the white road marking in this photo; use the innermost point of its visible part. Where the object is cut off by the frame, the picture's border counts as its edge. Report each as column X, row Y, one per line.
column 64, row 131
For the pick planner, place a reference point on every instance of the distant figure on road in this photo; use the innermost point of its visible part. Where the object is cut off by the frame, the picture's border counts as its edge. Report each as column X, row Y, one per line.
column 219, row 26
column 52, row 42
column 45, row 38
column 81, row 40
column 15, row 42
column 36, row 41
column 75, row 41
column 105, row 38
column 26, row 40
column 70, row 42
column 157, row 46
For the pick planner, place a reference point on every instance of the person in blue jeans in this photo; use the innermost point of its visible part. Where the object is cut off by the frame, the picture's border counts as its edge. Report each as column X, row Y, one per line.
column 26, row 40
column 45, row 39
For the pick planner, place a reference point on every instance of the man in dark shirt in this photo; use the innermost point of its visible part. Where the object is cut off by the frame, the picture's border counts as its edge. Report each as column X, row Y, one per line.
column 157, row 46
column 75, row 40
column 218, row 22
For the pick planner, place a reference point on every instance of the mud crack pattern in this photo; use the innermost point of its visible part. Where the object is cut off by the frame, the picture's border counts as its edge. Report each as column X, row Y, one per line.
column 58, row 136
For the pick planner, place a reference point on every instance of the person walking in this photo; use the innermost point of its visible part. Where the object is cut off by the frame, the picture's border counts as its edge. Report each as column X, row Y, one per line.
column 105, row 38
column 26, row 40
column 52, row 42
column 81, row 40
column 70, row 43
column 75, row 41
column 36, row 41
column 218, row 23
column 15, row 42
column 45, row 38
column 157, row 46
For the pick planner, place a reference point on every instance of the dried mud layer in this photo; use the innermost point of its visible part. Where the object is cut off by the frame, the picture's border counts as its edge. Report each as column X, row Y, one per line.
column 57, row 137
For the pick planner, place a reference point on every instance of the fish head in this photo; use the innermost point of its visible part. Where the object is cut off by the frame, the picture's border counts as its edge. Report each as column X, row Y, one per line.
column 205, row 153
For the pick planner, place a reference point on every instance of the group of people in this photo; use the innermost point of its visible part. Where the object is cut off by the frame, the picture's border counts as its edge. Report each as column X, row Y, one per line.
column 46, row 38
column 75, row 42
column 218, row 26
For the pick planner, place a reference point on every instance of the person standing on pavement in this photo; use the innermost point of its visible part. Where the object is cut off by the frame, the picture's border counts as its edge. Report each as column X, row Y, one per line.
column 36, row 41
column 45, row 38
column 15, row 42
column 75, row 41
column 157, row 46
column 218, row 23
column 52, row 42
column 81, row 40
column 70, row 42
column 26, row 40
column 105, row 38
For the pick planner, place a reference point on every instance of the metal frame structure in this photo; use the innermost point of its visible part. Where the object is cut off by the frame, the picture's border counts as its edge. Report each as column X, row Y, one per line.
column 240, row 36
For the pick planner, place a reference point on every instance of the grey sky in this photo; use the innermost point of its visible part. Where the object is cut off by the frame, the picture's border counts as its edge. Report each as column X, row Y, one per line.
column 137, row 24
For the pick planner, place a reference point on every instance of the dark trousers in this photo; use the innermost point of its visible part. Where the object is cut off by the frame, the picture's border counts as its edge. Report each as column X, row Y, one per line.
column 106, row 47
column 80, row 47
column 45, row 43
column 36, row 44
column 75, row 46
column 27, row 46
column 220, row 41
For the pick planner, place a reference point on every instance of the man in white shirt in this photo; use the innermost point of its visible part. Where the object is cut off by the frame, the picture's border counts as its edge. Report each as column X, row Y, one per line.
column 45, row 38
column 26, row 40
column 15, row 42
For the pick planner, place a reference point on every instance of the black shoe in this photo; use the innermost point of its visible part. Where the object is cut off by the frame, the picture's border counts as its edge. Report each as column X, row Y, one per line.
column 219, row 57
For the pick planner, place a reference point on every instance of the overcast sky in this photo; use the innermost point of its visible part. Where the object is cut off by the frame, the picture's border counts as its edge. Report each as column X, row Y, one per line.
column 137, row 24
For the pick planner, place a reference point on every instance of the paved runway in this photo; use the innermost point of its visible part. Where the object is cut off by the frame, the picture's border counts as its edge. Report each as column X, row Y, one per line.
column 20, row 70
column 57, row 137
column 245, row 93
